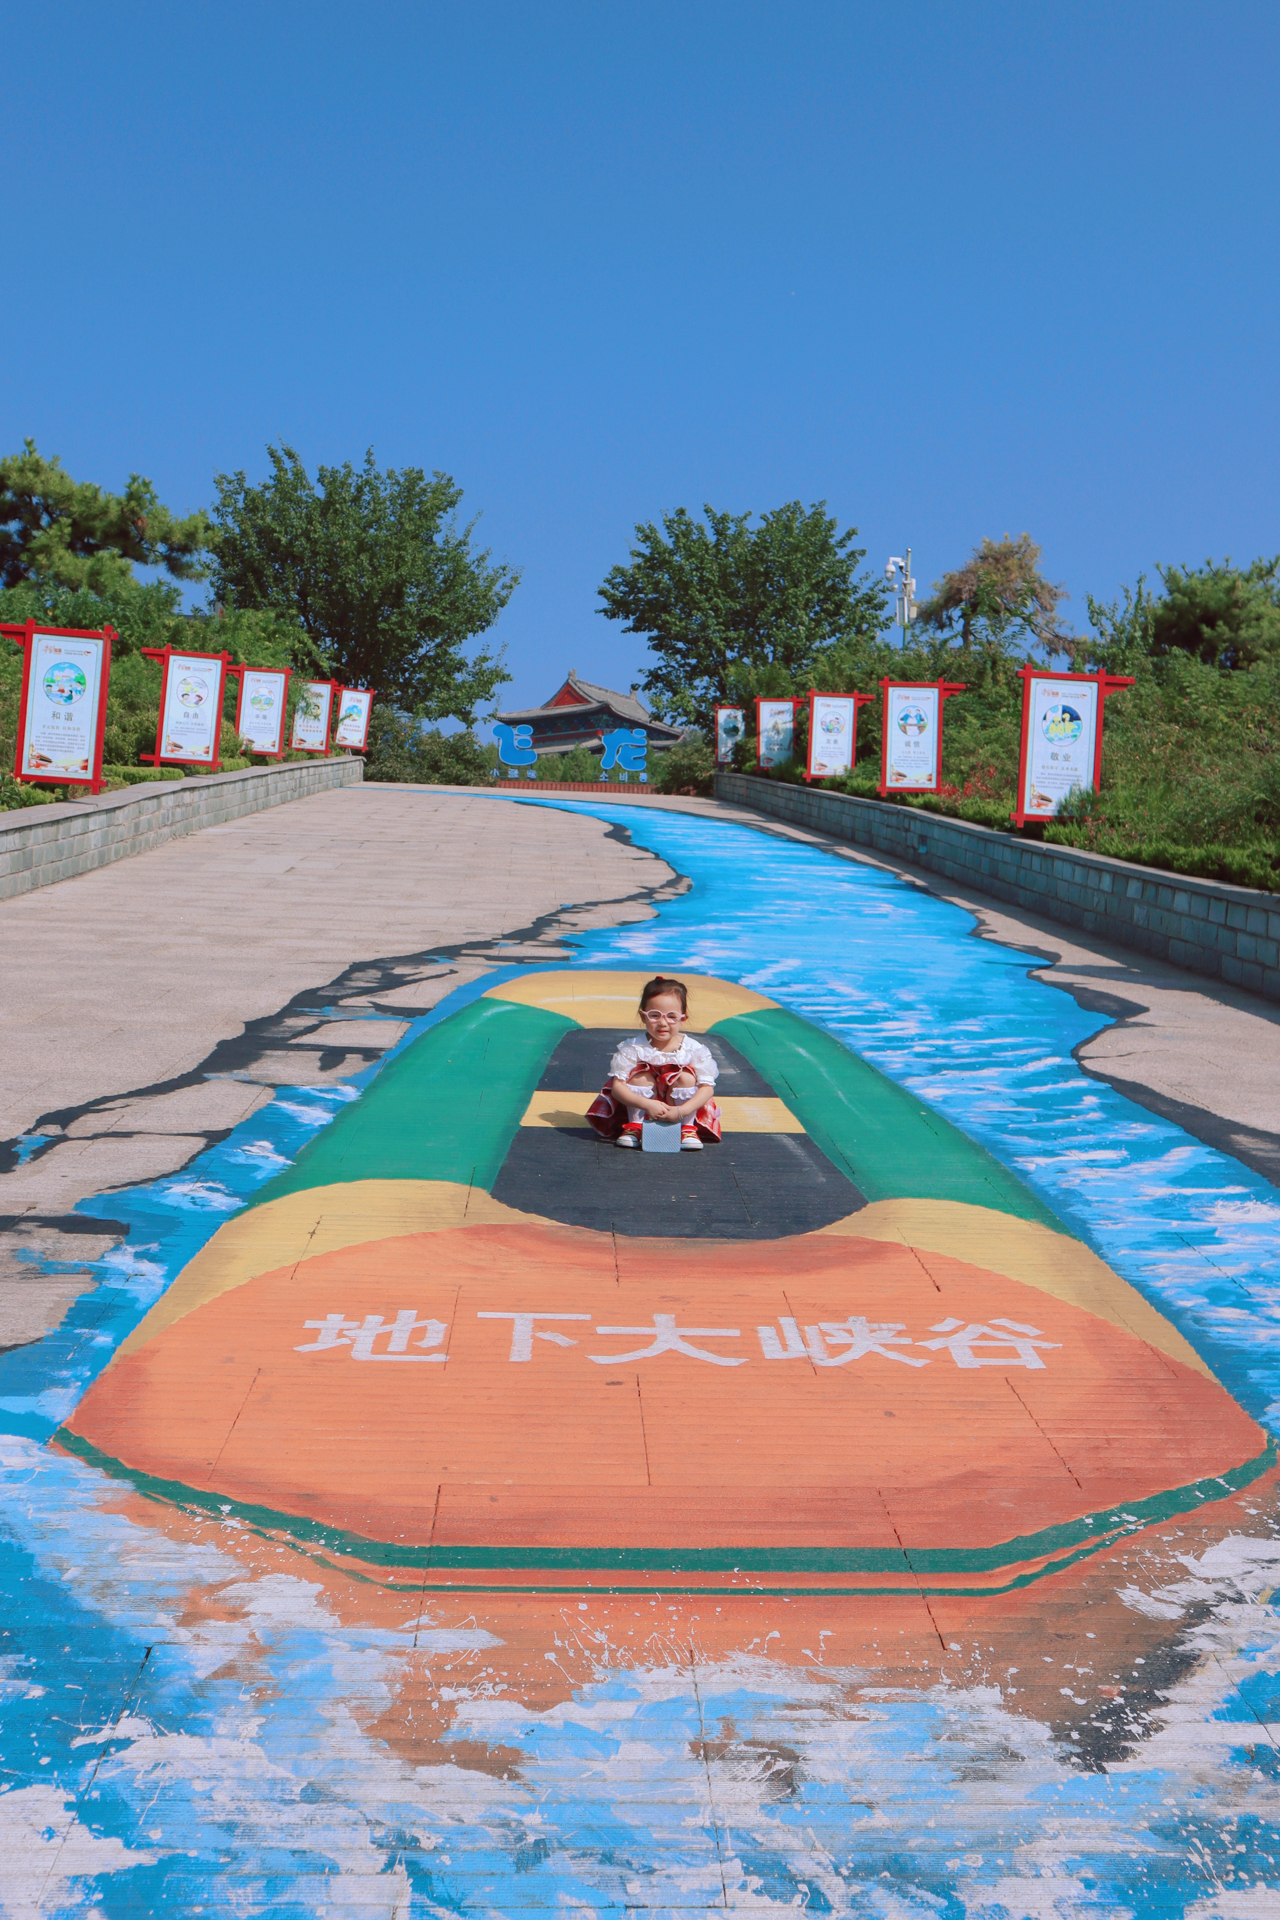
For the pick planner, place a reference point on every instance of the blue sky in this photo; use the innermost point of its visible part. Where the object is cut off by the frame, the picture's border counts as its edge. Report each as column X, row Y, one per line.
column 958, row 270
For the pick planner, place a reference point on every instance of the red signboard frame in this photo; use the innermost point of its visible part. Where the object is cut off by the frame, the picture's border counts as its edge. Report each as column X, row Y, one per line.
column 945, row 689
column 1106, row 683
column 22, row 636
column 323, row 751
column 368, row 716
column 240, row 672
column 165, row 654
column 859, row 701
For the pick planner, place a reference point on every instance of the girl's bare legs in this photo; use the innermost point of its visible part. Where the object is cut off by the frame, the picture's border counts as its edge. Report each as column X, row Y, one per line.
column 681, row 1087
column 643, row 1083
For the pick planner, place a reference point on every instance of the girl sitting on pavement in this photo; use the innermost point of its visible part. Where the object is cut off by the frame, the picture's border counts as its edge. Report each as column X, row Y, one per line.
column 665, row 1074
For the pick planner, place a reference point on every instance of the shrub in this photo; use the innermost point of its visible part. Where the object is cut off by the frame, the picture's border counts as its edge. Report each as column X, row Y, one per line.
column 1257, row 866
column 138, row 776
column 16, row 793
column 688, row 767
column 578, row 764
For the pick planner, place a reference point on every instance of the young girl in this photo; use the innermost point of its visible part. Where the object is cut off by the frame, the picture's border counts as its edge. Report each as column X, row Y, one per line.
column 665, row 1074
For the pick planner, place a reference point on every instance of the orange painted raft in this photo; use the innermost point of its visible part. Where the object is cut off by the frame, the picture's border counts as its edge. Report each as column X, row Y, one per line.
column 843, row 1352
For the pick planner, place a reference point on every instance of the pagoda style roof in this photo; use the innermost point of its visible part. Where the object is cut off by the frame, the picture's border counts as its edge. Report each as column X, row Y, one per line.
column 578, row 710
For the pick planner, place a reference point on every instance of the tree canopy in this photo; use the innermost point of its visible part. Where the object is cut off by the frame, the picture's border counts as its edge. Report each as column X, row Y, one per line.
column 999, row 601
column 376, row 567
column 725, row 600
column 70, row 533
column 1223, row 616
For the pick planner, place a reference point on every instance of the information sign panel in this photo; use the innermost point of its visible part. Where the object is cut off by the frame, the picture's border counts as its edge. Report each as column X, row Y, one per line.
column 260, row 710
column 1061, row 737
column 911, row 749
column 912, row 737
column 833, row 721
column 731, row 724
column 354, row 705
column 63, row 707
column 775, row 731
column 191, row 708
column 311, row 717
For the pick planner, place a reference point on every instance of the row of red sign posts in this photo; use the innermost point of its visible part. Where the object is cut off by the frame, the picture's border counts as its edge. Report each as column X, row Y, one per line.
column 62, row 714
column 1061, row 735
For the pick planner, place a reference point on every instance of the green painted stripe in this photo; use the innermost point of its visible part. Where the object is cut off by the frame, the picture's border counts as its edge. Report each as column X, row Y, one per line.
column 859, row 1592
column 890, row 1145
column 447, row 1108
column 1088, row 1535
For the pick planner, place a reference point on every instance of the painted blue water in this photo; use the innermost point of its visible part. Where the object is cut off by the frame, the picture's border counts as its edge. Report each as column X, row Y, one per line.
column 142, row 1776
column 899, row 976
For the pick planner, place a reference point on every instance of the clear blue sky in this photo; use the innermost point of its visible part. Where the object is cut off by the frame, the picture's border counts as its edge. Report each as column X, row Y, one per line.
column 957, row 269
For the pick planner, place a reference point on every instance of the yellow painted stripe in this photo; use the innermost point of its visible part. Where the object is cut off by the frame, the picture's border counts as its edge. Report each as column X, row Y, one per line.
column 1051, row 1262
column 738, row 1114
column 612, row 999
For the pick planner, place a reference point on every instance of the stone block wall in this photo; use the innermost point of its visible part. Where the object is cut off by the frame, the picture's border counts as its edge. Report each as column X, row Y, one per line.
column 39, row 845
column 1230, row 933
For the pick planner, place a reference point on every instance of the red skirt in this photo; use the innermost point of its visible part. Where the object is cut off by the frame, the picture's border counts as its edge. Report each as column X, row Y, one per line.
column 608, row 1116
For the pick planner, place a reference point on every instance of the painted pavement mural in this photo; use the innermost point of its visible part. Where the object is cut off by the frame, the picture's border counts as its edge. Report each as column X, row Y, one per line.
column 442, row 1512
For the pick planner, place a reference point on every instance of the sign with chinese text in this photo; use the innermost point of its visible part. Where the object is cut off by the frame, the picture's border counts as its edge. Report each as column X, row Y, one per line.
column 912, row 737
column 354, row 704
column 515, row 748
column 261, row 710
column 191, row 710
column 625, row 748
column 1060, row 742
column 63, row 707
column 775, row 731
column 731, row 724
column 311, row 717
column 833, row 721
column 911, row 748
column 1061, row 737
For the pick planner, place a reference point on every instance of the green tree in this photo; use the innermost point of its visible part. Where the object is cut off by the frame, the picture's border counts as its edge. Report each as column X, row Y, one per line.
column 1122, row 633
column 69, row 533
column 400, row 750
column 998, row 602
column 1220, row 615
column 377, row 569
column 729, row 605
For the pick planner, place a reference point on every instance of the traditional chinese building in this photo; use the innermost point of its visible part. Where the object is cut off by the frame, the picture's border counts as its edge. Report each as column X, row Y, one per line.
column 579, row 715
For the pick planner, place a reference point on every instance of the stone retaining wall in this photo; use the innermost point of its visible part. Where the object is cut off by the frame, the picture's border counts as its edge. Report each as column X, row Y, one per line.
column 39, row 845
column 1205, row 926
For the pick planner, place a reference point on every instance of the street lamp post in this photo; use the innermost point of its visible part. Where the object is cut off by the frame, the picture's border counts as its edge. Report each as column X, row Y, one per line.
column 898, row 574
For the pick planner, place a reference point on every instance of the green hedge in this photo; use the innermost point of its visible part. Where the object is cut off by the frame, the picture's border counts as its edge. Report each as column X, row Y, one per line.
column 1243, row 866
column 1237, row 866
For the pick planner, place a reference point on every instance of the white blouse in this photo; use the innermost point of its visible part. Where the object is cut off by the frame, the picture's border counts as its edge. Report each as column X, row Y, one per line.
column 690, row 1053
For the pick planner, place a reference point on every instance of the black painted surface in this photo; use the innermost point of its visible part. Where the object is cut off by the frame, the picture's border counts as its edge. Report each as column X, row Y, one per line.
column 752, row 1186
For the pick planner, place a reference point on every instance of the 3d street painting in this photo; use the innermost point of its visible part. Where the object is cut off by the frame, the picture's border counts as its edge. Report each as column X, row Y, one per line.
column 440, row 1512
